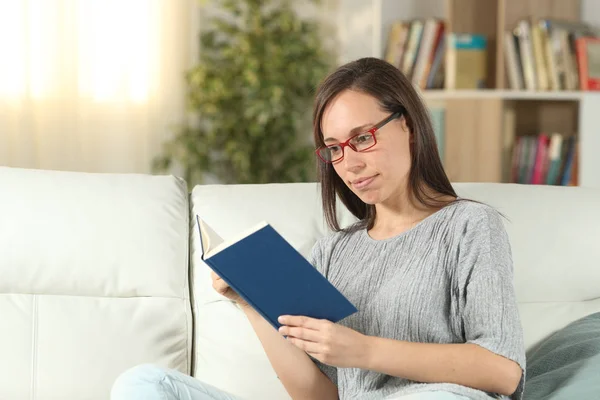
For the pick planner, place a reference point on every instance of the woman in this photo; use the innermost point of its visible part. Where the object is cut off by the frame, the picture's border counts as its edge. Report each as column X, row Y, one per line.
column 430, row 274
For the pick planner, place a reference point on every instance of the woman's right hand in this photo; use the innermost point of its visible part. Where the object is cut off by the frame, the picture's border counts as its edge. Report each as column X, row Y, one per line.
column 223, row 289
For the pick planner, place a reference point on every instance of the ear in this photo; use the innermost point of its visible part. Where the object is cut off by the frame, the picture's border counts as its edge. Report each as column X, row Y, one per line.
column 411, row 136
column 404, row 124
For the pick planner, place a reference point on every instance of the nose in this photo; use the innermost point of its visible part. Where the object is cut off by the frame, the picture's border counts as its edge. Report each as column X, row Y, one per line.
column 352, row 160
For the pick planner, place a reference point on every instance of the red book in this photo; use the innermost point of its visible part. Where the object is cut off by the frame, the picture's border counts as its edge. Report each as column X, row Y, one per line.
column 541, row 156
column 588, row 61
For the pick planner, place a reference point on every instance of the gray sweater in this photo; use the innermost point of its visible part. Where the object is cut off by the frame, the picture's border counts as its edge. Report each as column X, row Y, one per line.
column 449, row 279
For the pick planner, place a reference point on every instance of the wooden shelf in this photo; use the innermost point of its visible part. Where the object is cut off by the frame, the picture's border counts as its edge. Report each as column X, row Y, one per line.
column 548, row 95
column 501, row 95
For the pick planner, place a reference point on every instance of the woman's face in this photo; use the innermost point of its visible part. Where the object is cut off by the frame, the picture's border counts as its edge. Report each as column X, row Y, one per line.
column 378, row 174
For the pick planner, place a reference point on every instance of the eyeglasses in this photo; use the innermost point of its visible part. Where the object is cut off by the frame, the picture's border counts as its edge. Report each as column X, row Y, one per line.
column 360, row 142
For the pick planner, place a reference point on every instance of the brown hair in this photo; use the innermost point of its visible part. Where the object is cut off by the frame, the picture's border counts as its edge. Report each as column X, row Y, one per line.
column 395, row 93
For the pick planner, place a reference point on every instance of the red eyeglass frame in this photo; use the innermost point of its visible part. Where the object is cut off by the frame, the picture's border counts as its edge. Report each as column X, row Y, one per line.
column 347, row 142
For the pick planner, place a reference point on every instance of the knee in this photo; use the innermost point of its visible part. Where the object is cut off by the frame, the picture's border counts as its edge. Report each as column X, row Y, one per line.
column 140, row 382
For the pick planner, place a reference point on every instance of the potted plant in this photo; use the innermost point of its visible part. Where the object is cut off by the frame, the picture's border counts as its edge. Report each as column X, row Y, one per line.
column 252, row 92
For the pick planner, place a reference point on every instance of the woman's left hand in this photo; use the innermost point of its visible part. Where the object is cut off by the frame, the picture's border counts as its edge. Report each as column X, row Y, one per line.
column 332, row 344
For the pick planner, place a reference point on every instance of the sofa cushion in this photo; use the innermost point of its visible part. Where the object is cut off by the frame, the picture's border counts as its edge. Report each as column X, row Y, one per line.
column 566, row 365
column 93, row 281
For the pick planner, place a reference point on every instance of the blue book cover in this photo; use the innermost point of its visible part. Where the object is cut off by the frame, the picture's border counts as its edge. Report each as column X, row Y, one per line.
column 568, row 166
column 271, row 275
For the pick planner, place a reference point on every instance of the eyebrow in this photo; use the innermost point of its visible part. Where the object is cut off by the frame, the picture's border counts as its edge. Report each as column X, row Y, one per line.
column 354, row 131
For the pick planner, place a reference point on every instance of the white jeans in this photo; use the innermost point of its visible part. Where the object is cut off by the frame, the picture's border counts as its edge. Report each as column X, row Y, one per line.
column 149, row 382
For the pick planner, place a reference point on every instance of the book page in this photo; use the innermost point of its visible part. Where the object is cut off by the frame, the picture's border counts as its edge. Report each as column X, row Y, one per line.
column 225, row 244
column 208, row 237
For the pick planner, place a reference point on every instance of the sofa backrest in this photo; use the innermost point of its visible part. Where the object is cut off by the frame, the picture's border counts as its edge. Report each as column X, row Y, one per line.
column 555, row 240
column 94, row 274
column 93, row 280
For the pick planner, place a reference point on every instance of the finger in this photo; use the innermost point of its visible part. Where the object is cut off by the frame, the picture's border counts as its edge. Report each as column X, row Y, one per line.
column 220, row 281
column 220, row 286
column 302, row 321
column 307, row 346
column 301, row 333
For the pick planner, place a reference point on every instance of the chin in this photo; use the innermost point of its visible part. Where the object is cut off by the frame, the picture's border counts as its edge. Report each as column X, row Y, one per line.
column 369, row 197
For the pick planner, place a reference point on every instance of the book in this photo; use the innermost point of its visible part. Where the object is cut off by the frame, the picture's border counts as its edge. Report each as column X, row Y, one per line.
column 522, row 32
column 588, row 58
column 267, row 272
column 513, row 63
column 554, row 158
column 396, row 40
column 432, row 29
column 411, row 47
column 466, row 61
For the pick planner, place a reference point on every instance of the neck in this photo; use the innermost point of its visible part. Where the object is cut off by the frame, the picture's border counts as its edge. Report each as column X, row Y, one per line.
column 401, row 213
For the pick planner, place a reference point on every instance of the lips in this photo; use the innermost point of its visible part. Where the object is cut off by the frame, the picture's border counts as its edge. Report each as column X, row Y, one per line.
column 361, row 183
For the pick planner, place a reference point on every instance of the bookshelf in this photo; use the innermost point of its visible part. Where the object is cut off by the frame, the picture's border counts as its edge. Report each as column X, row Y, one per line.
column 482, row 126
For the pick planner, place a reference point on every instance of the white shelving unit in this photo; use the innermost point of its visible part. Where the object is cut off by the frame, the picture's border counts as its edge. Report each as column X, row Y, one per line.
column 589, row 137
column 363, row 31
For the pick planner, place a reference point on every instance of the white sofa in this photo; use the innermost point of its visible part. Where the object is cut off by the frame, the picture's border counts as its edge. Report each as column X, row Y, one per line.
column 100, row 272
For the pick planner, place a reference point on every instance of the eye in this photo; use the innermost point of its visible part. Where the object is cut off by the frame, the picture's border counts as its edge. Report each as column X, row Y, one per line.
column 364, row 138
column 335, row 149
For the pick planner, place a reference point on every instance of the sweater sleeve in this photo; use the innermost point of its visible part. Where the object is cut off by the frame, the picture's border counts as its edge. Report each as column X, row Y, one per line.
column 318, row 260
column 490, row 316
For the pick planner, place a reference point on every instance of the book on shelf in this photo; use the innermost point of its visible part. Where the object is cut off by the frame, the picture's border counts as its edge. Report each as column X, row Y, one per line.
column 545, row 159
column 466, row 61
column 263, row 268
column 588, row 56
column 396, row 42
column 541, row 54
column 433, row 58
column 416, row 47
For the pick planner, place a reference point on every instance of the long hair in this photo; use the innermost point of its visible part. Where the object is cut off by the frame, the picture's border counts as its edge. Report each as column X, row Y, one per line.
column 394, row 93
